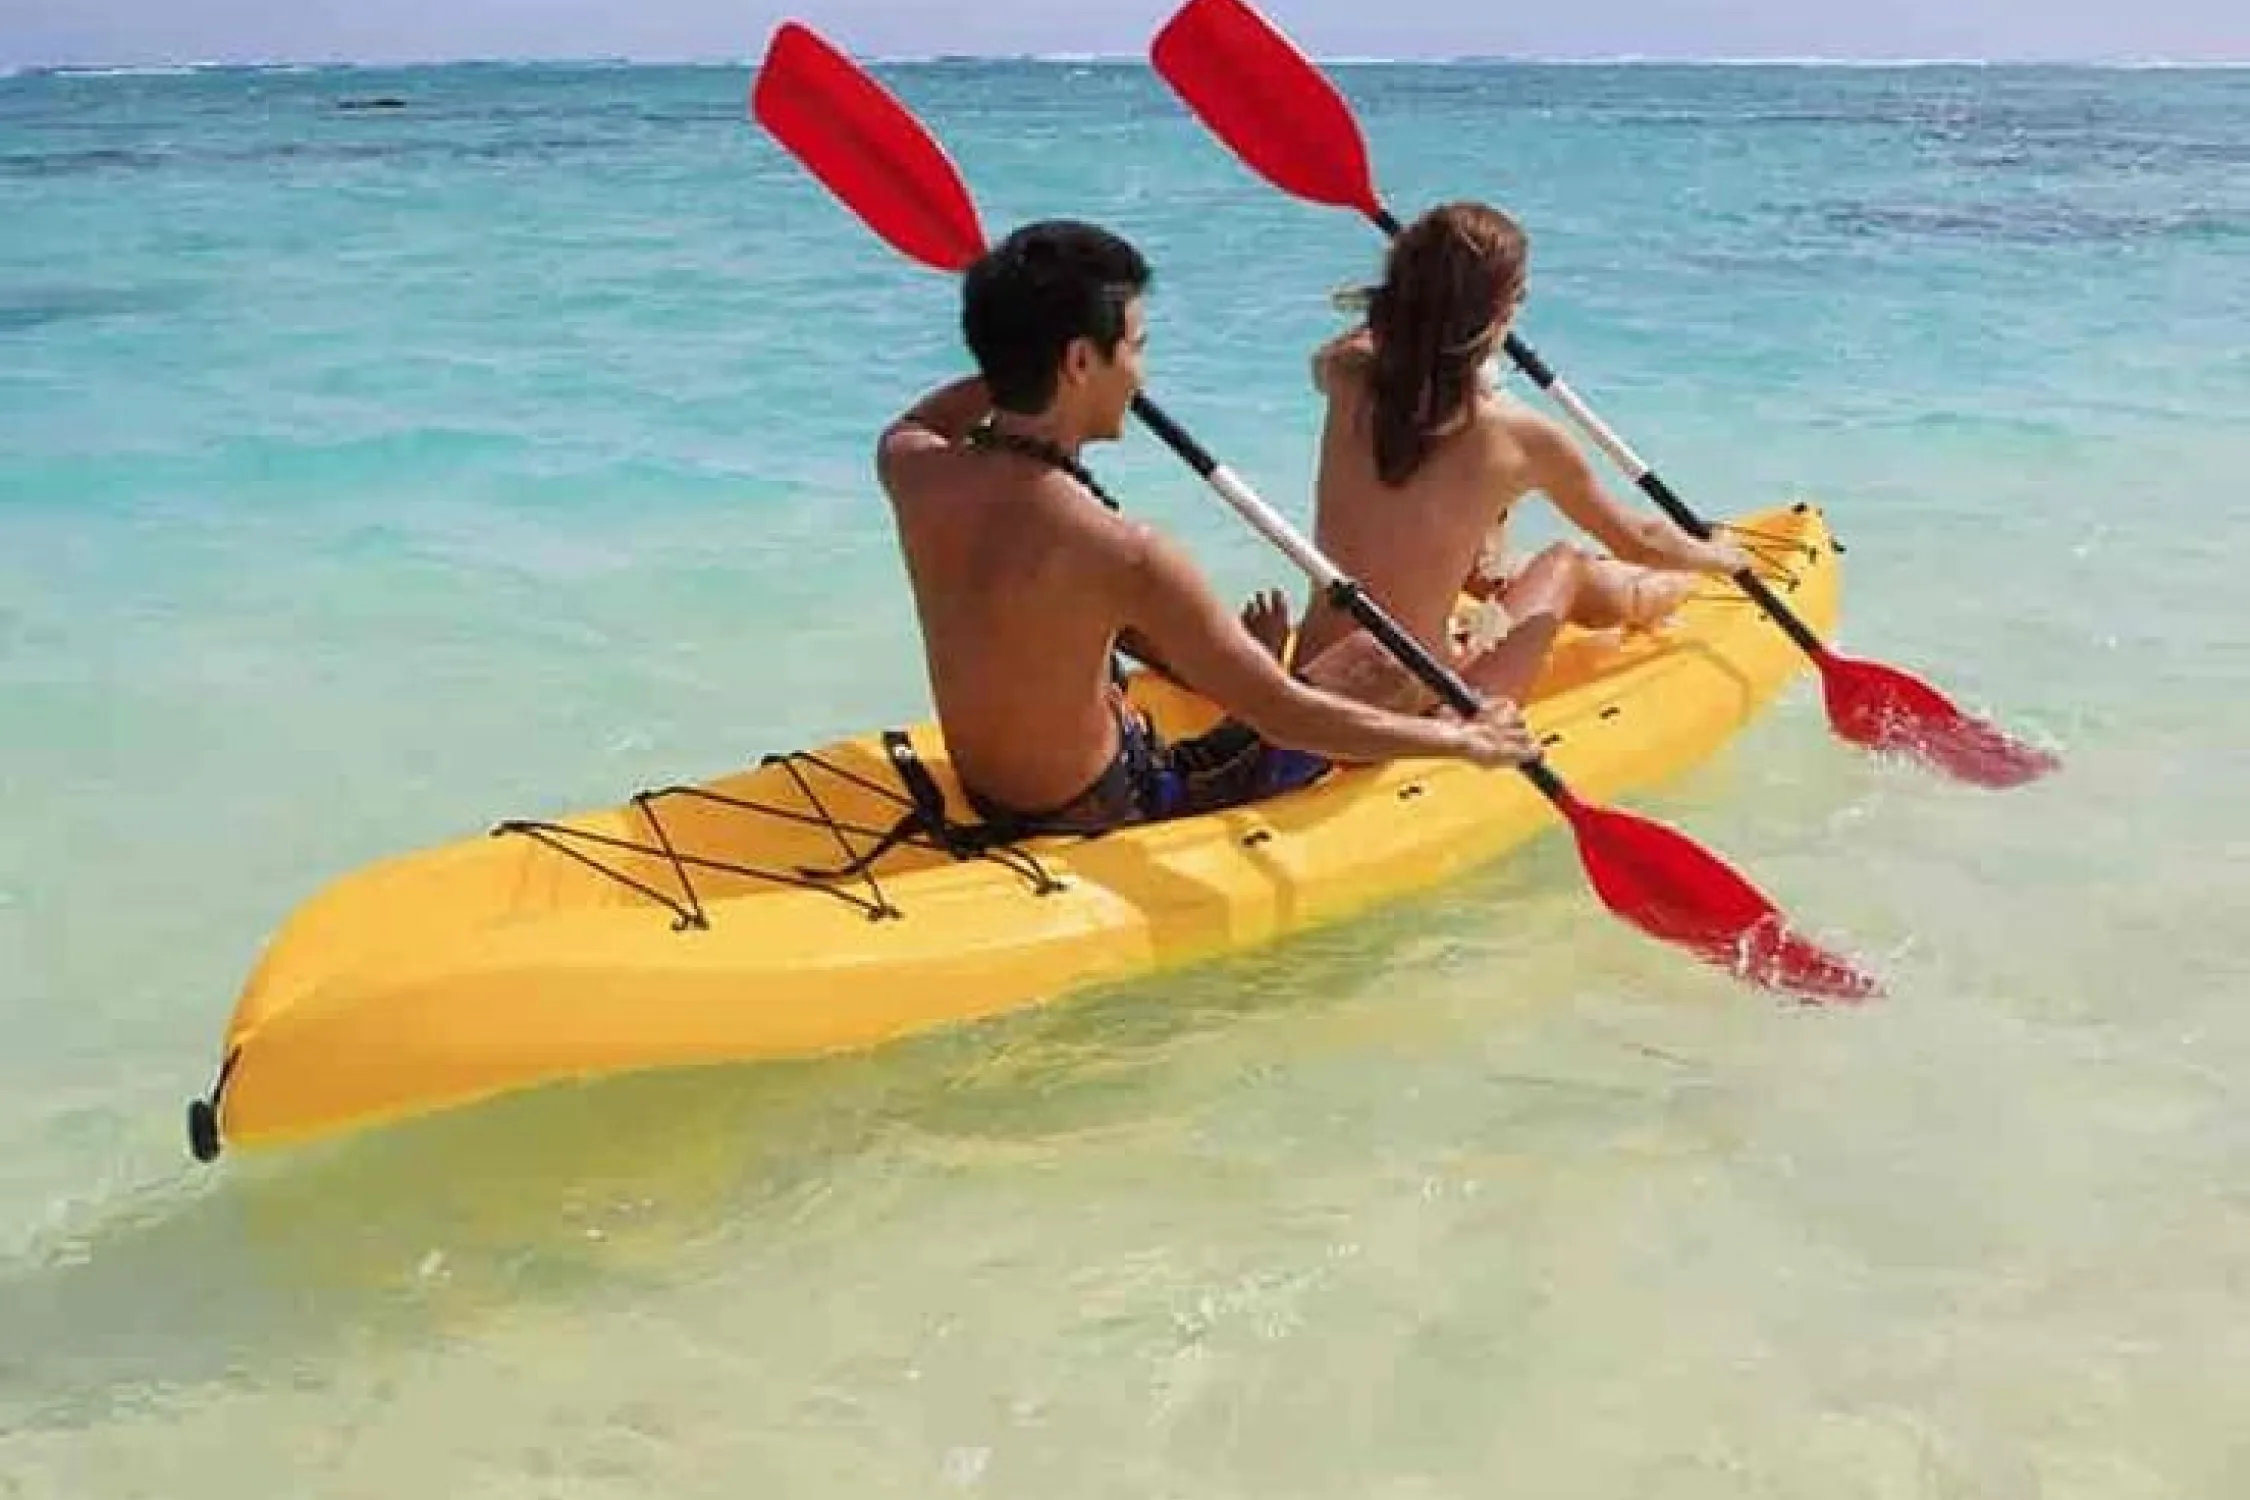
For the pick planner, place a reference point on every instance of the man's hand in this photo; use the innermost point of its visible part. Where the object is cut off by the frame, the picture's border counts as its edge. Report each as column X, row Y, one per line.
column 1498, row 737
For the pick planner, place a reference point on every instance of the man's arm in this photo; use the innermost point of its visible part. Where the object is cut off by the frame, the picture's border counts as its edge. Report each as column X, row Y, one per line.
column 1559, row 470
column 1169, row 602
column 1136, row 645
column 940, row 419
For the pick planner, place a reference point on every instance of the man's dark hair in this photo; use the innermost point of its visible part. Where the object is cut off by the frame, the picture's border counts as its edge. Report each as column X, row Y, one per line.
column 1028, row 296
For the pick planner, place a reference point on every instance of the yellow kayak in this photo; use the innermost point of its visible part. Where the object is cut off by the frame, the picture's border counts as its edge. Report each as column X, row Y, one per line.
column 763, row 915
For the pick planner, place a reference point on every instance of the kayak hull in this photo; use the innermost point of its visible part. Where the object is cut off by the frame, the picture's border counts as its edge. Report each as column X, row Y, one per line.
column 704, row 924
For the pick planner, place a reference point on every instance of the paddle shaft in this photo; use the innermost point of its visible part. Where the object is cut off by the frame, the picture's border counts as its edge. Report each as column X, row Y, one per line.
column 1344, row 593
column 1646, row 479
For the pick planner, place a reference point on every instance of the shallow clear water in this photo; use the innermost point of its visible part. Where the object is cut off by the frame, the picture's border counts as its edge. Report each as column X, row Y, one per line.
column 366, row 477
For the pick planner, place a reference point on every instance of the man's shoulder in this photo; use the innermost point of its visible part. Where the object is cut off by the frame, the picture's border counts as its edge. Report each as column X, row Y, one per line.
column 916, row 464
column 909, row 457
column 973, row 492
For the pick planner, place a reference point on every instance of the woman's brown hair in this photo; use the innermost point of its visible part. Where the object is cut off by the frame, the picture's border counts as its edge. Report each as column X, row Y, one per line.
column 1451, row 281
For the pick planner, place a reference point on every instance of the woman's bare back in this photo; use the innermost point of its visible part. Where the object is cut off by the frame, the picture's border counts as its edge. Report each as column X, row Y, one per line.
column 1410, row 545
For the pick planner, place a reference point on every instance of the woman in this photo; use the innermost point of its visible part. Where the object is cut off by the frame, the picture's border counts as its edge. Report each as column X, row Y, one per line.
column 1421, row 464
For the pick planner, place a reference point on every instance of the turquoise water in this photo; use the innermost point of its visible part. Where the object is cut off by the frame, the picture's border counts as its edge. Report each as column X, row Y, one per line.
column 366, row 477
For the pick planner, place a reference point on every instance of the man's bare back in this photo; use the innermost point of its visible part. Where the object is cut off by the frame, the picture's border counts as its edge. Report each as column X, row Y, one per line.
column 1021, row 581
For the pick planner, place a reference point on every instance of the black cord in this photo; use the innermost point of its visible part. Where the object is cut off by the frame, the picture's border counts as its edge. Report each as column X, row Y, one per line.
column 986, row 435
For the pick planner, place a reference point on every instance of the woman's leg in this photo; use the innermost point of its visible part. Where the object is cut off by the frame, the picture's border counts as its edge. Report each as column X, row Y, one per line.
column 1539, row 597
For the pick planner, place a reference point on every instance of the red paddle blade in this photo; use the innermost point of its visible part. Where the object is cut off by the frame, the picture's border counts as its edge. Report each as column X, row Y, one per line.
column 1673, row 889
column 866, row 148
column 1886, row 710
column 1267, row 101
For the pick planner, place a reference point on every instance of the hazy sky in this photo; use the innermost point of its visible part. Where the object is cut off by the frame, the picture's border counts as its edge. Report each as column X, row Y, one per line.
column 159, row 31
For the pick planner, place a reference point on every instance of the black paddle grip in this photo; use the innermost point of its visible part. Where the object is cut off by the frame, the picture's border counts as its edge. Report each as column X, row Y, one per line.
column 1652, row 485
column 1526, row 359
column 1173, row 435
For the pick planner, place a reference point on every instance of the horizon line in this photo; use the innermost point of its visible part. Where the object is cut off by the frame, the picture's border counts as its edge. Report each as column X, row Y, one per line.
column 2120, row 63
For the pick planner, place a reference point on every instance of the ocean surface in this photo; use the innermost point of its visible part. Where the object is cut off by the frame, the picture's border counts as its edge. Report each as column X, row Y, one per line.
column 369, row 475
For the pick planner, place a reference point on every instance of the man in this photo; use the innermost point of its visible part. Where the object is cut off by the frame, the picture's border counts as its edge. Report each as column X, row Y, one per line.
column 1420, row 466
column 1025, row 579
